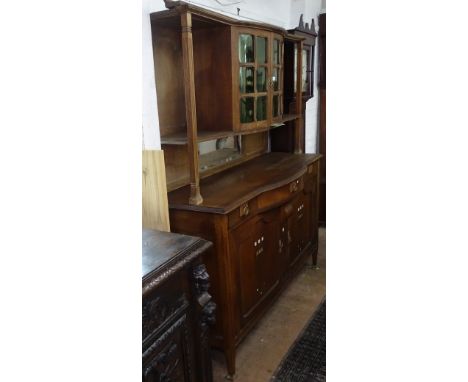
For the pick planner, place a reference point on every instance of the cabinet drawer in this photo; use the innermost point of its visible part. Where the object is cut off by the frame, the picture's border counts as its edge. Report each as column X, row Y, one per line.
column 281, row 194
column 169, row 358
column 162, row 306
column 243, row 212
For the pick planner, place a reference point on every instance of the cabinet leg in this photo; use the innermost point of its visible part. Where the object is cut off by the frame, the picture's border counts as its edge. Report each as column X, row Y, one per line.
column 230, row 352
column 314, row 260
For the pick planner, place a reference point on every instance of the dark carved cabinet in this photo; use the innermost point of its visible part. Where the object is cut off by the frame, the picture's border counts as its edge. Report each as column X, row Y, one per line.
column 177, row 308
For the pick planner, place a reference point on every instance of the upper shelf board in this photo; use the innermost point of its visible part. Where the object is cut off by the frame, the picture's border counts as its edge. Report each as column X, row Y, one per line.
column 180, row 138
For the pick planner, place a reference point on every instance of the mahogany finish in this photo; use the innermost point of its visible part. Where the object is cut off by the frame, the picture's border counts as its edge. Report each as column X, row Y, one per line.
column 177, row 308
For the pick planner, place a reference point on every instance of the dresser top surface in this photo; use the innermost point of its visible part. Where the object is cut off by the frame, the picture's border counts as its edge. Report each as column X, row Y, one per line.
column 227, row 190
column 160, row 247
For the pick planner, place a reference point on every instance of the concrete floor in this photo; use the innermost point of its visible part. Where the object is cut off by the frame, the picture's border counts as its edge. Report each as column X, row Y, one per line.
column 264, row 347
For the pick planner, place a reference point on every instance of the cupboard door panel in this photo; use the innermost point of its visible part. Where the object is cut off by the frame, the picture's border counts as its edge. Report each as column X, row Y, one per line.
column 268, row 260
column 299, row 227
column 255, row 243
column 245, row 246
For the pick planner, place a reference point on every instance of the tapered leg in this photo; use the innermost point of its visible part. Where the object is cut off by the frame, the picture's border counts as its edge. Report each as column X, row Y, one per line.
column 314, row 259
column 230, row 353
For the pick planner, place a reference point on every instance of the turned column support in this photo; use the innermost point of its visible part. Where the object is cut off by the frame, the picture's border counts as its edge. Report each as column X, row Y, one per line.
column 299, row 121
column 190, row 106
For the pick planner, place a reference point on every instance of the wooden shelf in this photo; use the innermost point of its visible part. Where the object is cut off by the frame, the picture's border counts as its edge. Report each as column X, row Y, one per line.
column 290, row 117
column 218, row 158
column 180, row 138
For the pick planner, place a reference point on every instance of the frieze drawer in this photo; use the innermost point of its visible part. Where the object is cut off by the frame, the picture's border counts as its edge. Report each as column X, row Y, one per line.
column 243, row 212
column 281, row 194
column 161, row 307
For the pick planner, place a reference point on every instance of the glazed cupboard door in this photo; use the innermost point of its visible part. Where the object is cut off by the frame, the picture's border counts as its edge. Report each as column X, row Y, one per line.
column 276, row 82
column 257, row 72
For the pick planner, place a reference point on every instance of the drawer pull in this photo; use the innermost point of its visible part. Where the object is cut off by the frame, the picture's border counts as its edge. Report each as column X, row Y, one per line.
column 244, row 210
column 294, row 186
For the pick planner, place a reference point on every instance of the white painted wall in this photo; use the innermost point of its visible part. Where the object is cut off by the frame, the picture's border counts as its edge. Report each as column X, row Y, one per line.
column 150, row 120
column 284, row 13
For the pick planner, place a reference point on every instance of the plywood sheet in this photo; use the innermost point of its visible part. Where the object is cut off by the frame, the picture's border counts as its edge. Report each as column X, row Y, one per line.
column 155, row 207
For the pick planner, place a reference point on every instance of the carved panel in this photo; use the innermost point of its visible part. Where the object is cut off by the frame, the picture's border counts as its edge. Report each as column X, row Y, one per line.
column 168, row 359
column 202, row 278
column 158, row 310
column 304, row 28
column 166, row 366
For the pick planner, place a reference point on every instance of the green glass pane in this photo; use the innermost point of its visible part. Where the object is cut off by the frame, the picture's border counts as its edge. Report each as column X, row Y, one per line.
column 261, row 108
column 275, row 105
column 276, row 51
column 261, row 48
column 261, row 79
column 246, row 80
column 275, row 79
column 246, row 52
column 246, row 109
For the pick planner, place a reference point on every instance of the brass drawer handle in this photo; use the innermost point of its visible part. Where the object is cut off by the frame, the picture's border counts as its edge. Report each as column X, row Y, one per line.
column 244, row 210
column 293, row 187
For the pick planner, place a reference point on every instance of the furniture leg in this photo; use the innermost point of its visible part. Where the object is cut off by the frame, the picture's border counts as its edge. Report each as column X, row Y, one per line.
column 230, row 353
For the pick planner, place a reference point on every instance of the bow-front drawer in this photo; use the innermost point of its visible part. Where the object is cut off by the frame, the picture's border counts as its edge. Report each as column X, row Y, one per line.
column 245, row 211
column 281, row 194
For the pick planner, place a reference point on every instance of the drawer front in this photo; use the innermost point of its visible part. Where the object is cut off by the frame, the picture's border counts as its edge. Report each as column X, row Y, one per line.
column 170, row 357
column 161, row 306
column 281, row 194
column 243, row 212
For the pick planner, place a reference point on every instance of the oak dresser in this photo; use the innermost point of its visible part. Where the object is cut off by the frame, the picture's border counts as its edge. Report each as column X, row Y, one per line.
column 230, row 106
